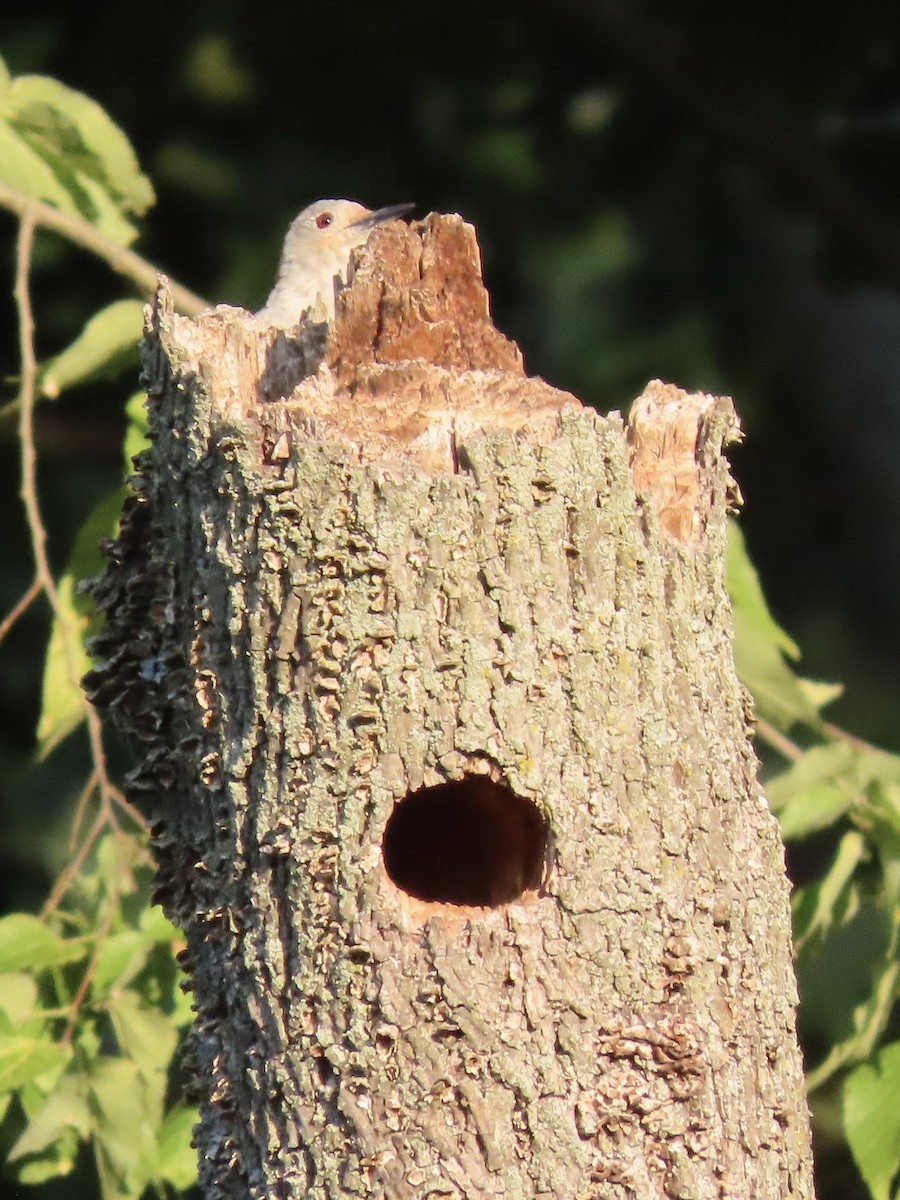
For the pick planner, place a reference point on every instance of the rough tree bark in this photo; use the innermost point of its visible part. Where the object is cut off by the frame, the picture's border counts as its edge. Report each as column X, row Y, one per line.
column 431, row 668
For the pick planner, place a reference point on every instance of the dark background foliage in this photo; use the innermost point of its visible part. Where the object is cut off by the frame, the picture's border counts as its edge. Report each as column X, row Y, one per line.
column 701, row 192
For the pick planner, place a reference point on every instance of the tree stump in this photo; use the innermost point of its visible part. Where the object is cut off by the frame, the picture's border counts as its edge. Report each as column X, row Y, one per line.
column 431, row 672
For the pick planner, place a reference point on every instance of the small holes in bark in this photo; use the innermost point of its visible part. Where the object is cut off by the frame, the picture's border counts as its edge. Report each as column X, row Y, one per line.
column 473, row 842
column 324, row 1070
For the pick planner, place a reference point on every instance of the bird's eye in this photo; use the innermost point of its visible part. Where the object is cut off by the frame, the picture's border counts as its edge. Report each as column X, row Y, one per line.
column 323, row 220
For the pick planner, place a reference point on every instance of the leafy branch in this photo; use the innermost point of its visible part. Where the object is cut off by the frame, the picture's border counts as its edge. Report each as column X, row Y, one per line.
column 110, row 797
column 82, row 233
column 90, row 1011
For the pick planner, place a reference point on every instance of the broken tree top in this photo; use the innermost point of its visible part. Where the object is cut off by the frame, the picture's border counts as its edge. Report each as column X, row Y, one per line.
column 414, row 365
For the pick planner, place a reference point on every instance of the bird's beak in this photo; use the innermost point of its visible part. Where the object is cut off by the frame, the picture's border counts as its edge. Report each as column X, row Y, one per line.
column 380, row 215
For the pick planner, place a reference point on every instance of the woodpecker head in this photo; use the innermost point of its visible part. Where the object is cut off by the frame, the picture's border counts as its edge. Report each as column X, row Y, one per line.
column 329, row 230
column 317, row 248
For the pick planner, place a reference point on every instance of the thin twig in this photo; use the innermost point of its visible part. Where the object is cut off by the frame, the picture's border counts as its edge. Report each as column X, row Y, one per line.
column 74, row 865
column 107, row 794
column 778, row 741
column 126, row 806
column 858, row 743
column 19, row 608
column 80, row 808
column 100, row 939
column 27, row 399
column 98, row 754
column 141, row 272
column 27, row 395
column 791, row 751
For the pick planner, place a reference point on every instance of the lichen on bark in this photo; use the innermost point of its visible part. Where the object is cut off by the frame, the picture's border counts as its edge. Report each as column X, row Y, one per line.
column 431, row 671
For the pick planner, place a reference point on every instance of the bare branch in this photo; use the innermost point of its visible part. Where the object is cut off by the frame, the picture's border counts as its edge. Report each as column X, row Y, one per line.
column 20, row 607
column 108, row 795
column 773, row 737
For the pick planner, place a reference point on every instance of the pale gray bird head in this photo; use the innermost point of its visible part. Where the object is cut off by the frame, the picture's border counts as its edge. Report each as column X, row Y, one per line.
column 317, row 248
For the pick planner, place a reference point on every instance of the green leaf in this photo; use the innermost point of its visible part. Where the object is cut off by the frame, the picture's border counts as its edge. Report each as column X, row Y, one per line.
column 19, row 1008
column 56, row 1159
column 882, row 815
column 27, row 943
column 848, row 984
column 872, row 1119
column 67, row 661
column 761, row 645
column 68, row 123
column 818, row 693
column 102, row 210
column 815, row 808
column 26, row 171
column 177, row 1159
column 878, row 768
column 156, row 926
column 885, row 795
column 821, row 905
column 24, row 1059
column 87, row 1040
column 145, row 1036
column 126, row 1115
column 117, row 860
column 160, row 985
column 816, row 790
column 54, row 1131
column 121, row 957
column 108, row 342
column 137, row 433
column 63, row 703
column 744, row 584
column 18, row 998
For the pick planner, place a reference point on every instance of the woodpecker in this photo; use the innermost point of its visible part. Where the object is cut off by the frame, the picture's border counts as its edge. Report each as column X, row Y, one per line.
column 316, row 254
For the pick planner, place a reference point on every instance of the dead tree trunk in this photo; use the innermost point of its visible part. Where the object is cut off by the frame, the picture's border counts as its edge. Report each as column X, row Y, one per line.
column 431, row 667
